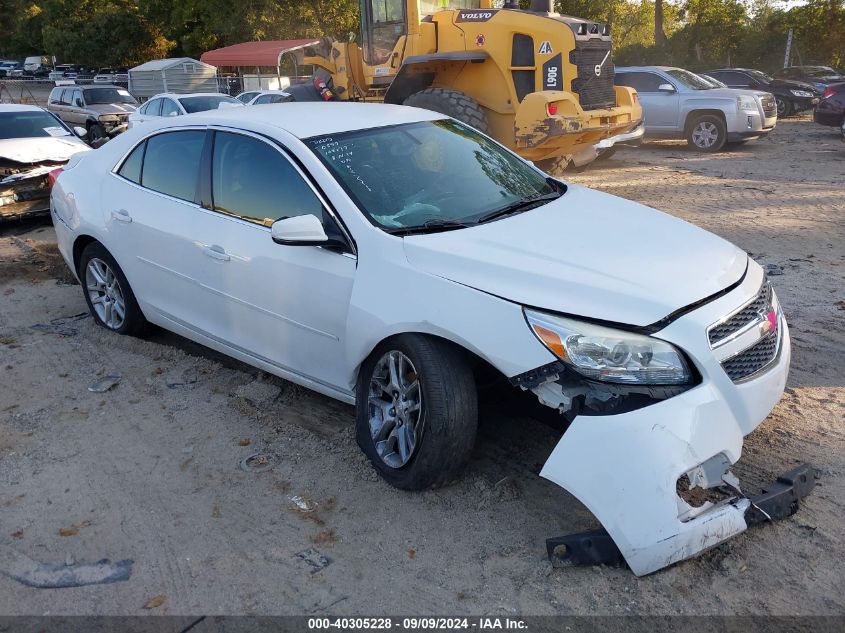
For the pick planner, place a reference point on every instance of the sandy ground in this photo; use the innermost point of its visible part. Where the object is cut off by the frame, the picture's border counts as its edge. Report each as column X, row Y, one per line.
column 149, row 471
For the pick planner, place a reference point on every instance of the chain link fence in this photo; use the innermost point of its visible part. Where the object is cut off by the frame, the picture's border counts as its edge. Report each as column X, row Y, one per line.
column 25, row 91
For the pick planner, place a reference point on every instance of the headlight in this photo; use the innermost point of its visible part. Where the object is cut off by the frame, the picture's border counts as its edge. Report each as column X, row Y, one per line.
column 602, row 353
column 746, row 103
column 801, row 93
column 108, row 118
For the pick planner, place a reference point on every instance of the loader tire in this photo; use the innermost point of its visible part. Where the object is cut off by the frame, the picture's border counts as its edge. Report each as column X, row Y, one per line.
column 451, row 103
column 554, row 166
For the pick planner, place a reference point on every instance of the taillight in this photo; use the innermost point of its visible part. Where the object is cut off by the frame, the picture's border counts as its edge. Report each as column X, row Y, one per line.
column 54, row 175
column 828, row 92
column 552, row 108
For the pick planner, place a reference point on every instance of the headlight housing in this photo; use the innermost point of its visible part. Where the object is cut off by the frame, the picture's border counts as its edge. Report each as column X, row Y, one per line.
column 108, row 118
column 746, row 103
column 801, row 93
column 609, row 355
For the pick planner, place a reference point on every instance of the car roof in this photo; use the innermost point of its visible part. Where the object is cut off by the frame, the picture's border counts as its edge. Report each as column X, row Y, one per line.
column 306, row 119
column 646, row 68
column 17, row 107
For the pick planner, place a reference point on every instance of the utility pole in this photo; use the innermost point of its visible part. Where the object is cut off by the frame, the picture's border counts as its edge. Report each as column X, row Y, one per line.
column 788, row 49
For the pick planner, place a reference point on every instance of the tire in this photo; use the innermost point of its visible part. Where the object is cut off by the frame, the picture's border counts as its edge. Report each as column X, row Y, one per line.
column 604, row 155
column 554, row 166
column 96, row 134
column 451, row 103
column 707, row 133
column 842, row 128
column 785, row 107
column 97, row 263
column 443, row 429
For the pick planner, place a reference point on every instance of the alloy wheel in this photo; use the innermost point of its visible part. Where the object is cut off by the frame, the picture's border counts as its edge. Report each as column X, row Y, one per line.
column 705, row 135
column 781, row 104
column 395, row 409
column 105, row 294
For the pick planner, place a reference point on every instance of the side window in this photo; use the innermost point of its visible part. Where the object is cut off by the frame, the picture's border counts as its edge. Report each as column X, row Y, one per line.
column 641, row 82
column 735, row 79
column 65, row 98
column 131, row 168
column 171, row 163
column 253, row 181
column 76, row 98
column 168, row 108
column 152, row 108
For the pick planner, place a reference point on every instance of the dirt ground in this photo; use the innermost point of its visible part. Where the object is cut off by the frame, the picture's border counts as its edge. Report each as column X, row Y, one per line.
column 149, row 470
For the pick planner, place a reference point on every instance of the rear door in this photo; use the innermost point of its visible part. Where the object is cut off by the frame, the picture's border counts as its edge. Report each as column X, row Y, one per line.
column 660, row 108
column 151, row 213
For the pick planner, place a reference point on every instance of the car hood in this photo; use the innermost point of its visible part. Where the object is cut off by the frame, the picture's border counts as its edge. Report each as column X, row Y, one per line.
column 586, row 254
column 112, row 108
column 792, row 85
column 36, row 150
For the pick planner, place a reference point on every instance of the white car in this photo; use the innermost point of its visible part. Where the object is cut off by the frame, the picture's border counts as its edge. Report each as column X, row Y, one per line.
column 33, row 143
column 382, row 254
column 270, row 96
column 172, row 104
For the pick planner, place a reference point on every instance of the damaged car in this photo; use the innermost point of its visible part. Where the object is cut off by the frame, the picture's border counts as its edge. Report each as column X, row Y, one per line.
column 386, row 256
column 33, row 143
column 102, row 110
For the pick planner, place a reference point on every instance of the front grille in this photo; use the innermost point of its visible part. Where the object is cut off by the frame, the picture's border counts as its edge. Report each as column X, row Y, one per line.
column 594, row 91
column 749, row 314
column 770, row 107
column 754, row 359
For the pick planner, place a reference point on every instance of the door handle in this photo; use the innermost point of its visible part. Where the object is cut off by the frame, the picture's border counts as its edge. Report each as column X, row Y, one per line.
column 121, row 215
column 216, row 252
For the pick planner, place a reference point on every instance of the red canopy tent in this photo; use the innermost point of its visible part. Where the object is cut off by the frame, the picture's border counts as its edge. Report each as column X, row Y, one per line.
column 254, row 54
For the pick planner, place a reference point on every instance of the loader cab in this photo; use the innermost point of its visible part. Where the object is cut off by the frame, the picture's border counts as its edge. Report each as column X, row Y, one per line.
column 383, row 22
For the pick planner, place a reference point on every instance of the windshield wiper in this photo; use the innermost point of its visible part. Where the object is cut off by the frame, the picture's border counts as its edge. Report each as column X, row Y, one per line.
column 430, row 226
column 523, row 204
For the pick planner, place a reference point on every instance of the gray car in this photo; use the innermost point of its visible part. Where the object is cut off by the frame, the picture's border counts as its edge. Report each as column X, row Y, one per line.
column 102, row 110
column 680, row 104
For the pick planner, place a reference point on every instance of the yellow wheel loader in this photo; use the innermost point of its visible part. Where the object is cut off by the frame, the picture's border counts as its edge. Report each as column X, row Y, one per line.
column 538, row 82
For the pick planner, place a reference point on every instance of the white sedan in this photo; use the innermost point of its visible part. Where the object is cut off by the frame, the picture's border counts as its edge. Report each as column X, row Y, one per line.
column 382, row 255
column 171, row 104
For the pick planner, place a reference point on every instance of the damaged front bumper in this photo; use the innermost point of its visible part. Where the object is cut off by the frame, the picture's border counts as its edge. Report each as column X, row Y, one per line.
column 625, row 467
column 24, row 190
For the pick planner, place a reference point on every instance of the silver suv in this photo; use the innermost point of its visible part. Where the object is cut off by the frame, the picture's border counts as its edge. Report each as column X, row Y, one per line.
column 102, row 110
column 680, row 104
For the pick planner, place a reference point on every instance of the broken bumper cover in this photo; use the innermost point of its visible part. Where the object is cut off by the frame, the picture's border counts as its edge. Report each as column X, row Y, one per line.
column 25, row 194
column 625, row 468
column 777, row 501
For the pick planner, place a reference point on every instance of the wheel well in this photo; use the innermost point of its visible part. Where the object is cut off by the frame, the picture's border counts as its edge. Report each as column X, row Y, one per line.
column 484, row 372
column 692, row 116
column 78, row 246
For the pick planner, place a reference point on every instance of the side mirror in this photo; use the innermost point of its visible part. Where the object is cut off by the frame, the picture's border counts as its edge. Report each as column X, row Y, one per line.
column 81, row 132
column 666, row 88
column 302, row 230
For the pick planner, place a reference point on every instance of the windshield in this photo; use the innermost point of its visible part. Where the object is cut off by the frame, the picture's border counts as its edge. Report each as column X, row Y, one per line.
column 94, row 96
column 688, row 79
column 430, row 175
column 211, row 102
column 31, row 124
column 761, row 76
column 820, row 71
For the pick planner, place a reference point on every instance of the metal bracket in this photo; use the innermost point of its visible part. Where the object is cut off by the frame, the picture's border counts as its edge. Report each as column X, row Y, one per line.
column 781, row 499
column 584, row 548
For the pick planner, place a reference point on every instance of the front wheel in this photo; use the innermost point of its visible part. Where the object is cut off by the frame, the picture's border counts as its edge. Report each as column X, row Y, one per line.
column 96, row 135
column 707, row 133
column 417, row 411
column 784, row 106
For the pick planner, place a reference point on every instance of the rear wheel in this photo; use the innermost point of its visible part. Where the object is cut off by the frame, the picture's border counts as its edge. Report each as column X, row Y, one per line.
column 107, row 293
column 784, row 107
column 417, row 411
column 707, row 133
column 451, row 103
